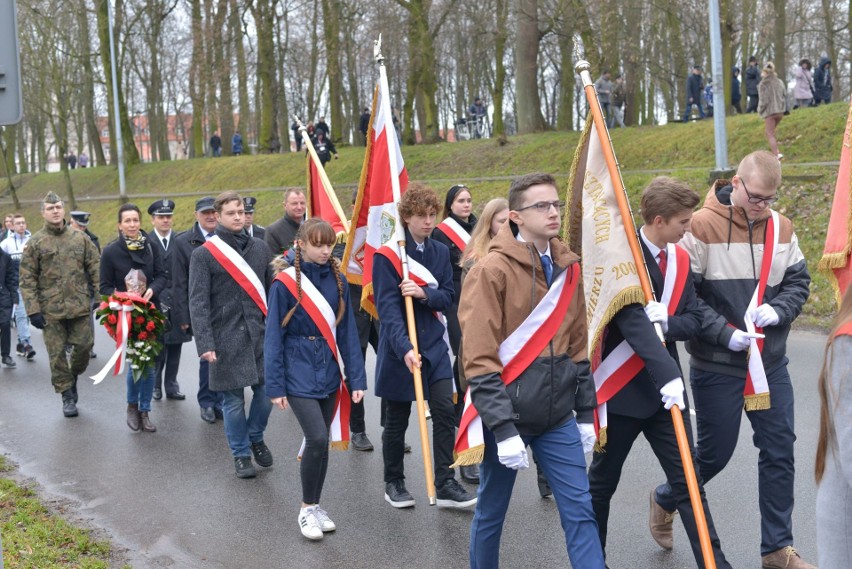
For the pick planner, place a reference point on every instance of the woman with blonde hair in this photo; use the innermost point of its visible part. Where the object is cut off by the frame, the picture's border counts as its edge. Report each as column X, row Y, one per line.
column 772, row 102
column 833, row 466
column 493, row 216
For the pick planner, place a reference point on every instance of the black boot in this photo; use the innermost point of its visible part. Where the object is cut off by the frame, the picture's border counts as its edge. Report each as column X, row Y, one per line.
column 69, row 406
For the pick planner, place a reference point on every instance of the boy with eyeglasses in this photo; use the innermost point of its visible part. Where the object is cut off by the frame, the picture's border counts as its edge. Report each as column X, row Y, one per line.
column 523, row 319
column 753, row 281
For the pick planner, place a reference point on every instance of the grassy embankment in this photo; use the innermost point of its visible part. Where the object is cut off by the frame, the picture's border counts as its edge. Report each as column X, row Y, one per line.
column 681, row 150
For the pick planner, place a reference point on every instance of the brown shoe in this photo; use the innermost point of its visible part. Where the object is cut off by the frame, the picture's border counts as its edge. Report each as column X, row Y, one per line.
column 660, row 524
column 786, row 558
column 133, row 416
column 147, row 425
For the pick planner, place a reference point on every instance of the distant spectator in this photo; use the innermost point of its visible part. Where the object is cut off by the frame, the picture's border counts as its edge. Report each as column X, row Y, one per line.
column 297, row 136
column 752, row 79
column 822, row 82
column 694, row 90
column 71, row 160
column 216, row 145
column 736, row 94
column 324, row 147
column 708, row 96
column 772, row 104
column 83, row 161
column 604, row 88
column 237, row 144
column 803, row 92
column 364, row 125
column 323, row 126
column 618, row 99
column 396, row 124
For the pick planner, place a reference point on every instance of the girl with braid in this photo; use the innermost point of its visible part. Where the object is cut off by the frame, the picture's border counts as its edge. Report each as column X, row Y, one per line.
column 310, row 337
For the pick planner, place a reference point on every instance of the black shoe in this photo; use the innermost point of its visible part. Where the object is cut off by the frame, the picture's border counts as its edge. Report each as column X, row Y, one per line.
column 218, row 413
column 397, row 496
column 69, row 407
column 452, row 495
column 8, row 361
column 244, row 467
column 262, row 454
column 158, row 394
column 177, row 395
column 20, row 350
column 407, row 448
column 207, row 415
column 361, row 442
column 30, row 352
column 470, row 473
column 93, row 355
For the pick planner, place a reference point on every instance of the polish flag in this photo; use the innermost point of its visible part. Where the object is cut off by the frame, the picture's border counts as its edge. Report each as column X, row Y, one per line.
column 319, row 199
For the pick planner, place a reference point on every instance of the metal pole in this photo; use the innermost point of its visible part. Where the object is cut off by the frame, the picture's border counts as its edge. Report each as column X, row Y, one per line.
column 719, row 130
column 122, row 191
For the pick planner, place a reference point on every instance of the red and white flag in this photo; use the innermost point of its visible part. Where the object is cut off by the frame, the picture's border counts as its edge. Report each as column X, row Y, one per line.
column 838, row 241
column 375, row 217
column 320, row 199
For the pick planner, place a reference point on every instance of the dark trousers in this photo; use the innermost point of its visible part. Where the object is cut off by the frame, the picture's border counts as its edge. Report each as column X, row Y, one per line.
column 368, row 335
column 443, row 433
column 752, row 103
column 5, row 338
column 455, row 336
column 719, row 407
column 168, row 361
column 314, row 416
column 605, row 473
column 207, row 398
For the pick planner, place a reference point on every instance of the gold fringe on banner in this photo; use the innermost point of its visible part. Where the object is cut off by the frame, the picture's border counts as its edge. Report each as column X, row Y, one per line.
column 756, row 402
column 339, row 445
column 470, row 457
column 601, row 442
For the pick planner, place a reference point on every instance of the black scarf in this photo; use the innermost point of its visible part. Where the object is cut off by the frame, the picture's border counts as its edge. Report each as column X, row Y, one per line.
column 238, row 241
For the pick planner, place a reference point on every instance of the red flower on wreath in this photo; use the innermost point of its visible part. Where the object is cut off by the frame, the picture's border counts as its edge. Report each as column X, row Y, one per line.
column 112, row 319
column 143, row 336
column 140, row 320
column 150, row 326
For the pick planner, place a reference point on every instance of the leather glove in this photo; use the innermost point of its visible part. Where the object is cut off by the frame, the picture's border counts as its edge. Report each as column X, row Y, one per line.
column 513, row 453
column 765, row 316
column 587, row 436
column 672, row 393
column 657, row 312
column 741, row 341
column 37, row 320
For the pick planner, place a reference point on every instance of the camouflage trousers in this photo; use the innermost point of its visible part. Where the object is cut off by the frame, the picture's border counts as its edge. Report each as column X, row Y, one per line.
column 74, row 332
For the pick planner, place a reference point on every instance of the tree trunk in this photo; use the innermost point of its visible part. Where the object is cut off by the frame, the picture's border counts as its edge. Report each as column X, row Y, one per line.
column 501, row 36
column 331, row 26
column 780, row 37
column 88, row 87
column 242, row 78
column 196, row 81
column 527, row 98
column 264, row 16
column 634, row 70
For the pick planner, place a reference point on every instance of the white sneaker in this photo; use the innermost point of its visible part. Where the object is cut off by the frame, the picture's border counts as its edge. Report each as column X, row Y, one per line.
column 309, row 524
column 325, row 523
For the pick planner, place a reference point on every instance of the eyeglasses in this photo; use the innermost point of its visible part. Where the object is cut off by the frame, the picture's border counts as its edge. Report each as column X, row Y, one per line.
column 757, row 199
column 544, row 207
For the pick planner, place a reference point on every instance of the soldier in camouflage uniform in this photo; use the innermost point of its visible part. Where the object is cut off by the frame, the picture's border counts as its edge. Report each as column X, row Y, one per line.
column 56, row 266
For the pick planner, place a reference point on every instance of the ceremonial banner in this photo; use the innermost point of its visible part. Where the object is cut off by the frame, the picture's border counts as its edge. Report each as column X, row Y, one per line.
column 596, row 230
column 375, row 217
column 838, row 240
column 319, row 199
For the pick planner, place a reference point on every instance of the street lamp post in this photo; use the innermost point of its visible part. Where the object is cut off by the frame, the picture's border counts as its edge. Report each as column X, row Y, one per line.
column 117, row 142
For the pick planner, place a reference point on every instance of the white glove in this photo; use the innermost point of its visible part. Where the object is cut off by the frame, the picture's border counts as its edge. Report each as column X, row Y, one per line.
column 765, row 316
column 740, row 341
column 672, row 393
column 657, row 312
column 587, row 436
column 513, row 453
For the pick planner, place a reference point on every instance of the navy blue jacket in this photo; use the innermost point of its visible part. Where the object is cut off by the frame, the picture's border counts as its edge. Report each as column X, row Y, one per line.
column 640, row 398
column 393, row 380
column 297, row 359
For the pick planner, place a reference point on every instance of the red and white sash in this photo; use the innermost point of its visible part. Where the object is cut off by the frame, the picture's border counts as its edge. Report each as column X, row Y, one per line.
column 455, row 232
column 757, row 387
column 422, row 277
column 622, row 364
column 516, row 353
column 239, row 270
column 323, row 316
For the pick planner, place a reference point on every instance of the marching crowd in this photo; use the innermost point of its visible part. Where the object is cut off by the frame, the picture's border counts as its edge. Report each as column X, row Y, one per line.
column 500, row 316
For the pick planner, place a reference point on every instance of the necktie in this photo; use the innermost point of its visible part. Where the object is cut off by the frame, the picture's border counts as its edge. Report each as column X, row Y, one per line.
column 547, row 265
column 166, row 243
column 209, row 235
column 663, row 261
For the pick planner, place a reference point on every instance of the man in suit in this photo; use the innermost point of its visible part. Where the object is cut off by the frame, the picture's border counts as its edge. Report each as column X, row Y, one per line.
column 642, row 404
column 281, row 233
column 254, row 230
column 205, row 225
column 168, row 360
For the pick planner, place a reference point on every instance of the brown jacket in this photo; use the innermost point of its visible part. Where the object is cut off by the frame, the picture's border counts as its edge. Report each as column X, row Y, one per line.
column 499, row 292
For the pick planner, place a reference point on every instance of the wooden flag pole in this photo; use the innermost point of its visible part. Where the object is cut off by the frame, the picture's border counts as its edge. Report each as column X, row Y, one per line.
column 332, row 196
column 403, row 256
column 583, row 68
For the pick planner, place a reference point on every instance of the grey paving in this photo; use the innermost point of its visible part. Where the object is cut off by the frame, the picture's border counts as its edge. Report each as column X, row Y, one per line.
column 172, row 500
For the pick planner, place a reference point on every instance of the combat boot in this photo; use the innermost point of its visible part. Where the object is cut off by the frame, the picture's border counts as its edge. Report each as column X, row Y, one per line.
column 69, row 405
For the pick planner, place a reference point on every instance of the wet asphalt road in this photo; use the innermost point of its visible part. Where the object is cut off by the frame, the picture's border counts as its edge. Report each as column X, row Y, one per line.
column 172, row 500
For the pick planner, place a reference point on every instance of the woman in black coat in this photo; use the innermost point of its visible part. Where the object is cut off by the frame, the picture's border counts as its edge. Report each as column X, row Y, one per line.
column 8, row 298
column 133, row 250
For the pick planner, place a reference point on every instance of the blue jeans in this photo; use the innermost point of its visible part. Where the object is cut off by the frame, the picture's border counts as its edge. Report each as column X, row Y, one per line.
column 240, row 430
column 22, row 323
column 718, row 402
column 207, row 398
column 560, row 454
column 140, row 392
column 689, row 110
